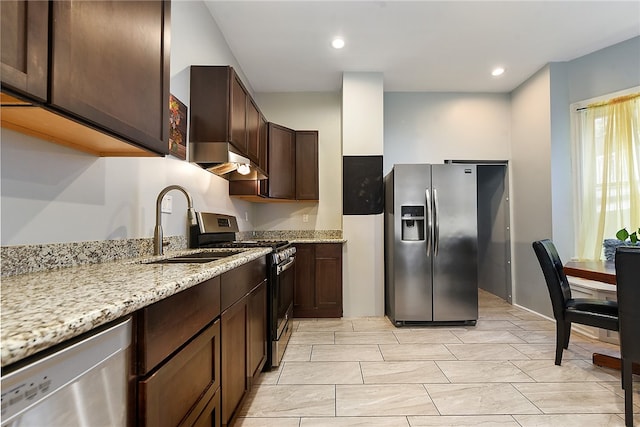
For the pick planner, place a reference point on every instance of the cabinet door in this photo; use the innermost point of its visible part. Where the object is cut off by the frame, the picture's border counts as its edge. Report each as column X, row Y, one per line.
column 24, row 36
column 238, row 115
column 282, row 159
column 257, row 329
column 263, row 145
column 110, row 67
column 209, row 103
column 181, row 389
column 304, row 288
column 253, row 132
column 234, row 358
column 328, row 283
column 307, row 165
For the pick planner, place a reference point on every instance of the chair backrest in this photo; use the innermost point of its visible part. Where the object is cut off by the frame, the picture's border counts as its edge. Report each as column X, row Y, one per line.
column 628, row 292
column 553, row 271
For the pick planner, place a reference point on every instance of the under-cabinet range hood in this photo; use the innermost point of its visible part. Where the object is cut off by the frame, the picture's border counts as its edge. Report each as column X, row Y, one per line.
column 218, row 158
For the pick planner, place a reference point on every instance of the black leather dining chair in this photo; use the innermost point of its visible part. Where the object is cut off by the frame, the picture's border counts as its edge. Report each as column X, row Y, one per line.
column 566, row 310
column 628, row 291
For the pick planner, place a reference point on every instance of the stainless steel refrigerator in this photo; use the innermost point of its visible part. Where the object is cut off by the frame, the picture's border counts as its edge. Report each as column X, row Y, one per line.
column 430, row 244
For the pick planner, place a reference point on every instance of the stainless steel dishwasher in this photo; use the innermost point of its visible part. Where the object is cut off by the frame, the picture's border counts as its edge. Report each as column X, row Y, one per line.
column 82, row 384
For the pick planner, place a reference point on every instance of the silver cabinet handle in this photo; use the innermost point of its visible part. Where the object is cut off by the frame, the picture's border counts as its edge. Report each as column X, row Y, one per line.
column 436, row 219
column 429, row 223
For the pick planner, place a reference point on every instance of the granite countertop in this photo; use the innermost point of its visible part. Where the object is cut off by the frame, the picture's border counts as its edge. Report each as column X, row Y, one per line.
column 317, row 240
column 39, row 310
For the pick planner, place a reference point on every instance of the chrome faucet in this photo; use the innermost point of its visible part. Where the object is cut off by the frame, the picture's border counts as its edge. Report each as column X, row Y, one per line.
column 191, row 216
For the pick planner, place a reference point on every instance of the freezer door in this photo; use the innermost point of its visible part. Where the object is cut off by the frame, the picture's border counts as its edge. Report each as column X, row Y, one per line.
column 412, row 265
column 455, row 265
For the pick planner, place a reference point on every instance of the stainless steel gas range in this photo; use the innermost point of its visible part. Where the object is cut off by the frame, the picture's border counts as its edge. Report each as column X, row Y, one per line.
column 219, row 231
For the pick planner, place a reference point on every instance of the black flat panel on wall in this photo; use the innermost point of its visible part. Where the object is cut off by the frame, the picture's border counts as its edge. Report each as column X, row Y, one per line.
column 362, row 185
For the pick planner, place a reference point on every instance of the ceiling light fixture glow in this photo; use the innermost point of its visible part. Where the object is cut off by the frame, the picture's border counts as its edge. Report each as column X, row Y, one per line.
column 337, row 43
column 498, row 71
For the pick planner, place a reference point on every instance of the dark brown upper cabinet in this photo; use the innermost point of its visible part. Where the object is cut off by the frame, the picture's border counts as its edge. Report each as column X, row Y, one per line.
column 255, row 190
column 222, row 110
column 24, row 49
column 110, row 66
column 238, row 118
column 293, row 163
column 307, row 165
column 253, row 132
column 108, row 78
column 282, row 162
column 263, row 138
column 292, row 167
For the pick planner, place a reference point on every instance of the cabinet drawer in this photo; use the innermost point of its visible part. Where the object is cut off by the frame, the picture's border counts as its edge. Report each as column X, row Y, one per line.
column 177, row 392
column 238, row 282
column 210, row 417
column 329, row 250
column 166, row 325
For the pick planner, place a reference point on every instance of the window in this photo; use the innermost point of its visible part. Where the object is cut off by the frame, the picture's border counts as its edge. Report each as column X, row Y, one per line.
column 606, row 152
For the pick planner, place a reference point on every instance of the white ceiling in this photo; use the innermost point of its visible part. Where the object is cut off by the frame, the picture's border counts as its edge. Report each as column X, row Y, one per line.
column 439, row 46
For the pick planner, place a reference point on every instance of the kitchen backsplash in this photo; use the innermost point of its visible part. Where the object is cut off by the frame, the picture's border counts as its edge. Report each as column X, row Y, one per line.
column 23, row 259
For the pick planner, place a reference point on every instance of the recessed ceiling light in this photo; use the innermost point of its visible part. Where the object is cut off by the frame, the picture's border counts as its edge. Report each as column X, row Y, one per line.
column 498, row 71
column 337, row 43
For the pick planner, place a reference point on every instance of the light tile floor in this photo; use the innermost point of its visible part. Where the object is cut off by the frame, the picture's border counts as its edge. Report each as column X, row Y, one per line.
column 367, row 372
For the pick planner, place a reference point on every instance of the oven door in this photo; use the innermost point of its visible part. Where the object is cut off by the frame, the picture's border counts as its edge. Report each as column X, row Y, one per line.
column 285, row 276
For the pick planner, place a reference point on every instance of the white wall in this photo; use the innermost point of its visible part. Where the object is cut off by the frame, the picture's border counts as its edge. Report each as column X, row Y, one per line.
column 307, row 111
column 530, row 187
column 363, row 114
column 561, row 168
column 605, row 71
column 430, row 127
column 50, row 193
column 363, row 254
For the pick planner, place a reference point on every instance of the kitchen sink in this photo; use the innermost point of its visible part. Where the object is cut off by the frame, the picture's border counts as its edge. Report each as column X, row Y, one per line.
column 197, row 257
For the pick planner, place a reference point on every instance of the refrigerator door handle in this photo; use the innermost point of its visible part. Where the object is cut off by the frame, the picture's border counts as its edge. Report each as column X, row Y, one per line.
column 429, row 219
column 436, row 221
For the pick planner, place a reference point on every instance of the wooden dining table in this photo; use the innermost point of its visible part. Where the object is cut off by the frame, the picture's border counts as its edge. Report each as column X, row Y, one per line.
column 600, row 271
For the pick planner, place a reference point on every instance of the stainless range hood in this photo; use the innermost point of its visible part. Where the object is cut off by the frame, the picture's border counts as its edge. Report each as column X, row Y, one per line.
column 220, row 159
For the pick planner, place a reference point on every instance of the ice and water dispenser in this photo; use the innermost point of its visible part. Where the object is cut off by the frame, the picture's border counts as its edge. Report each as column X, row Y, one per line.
column 412, row 222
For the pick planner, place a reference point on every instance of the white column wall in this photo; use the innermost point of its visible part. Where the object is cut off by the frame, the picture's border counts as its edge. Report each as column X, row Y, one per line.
column 531, row 204
column 363, row 254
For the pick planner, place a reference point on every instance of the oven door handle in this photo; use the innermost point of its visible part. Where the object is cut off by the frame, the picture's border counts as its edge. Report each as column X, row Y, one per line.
column 285, row 267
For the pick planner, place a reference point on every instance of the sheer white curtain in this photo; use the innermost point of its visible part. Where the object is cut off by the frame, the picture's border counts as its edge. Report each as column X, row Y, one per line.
column 607, row 154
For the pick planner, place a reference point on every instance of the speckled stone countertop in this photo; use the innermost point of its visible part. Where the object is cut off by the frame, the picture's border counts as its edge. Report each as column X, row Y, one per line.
column 296, row 236
column 317, row 240
column 46, row 308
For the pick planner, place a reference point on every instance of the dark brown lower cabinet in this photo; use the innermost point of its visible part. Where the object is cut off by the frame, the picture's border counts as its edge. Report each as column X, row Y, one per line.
column 244, row 348
column 182, row 392
column 257, row 330
column 198, row 351
column 243, row 332
column 318, row 287
column 234, row 358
